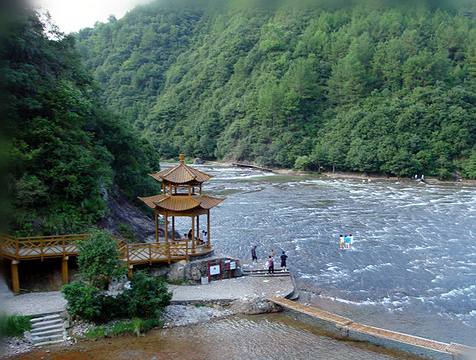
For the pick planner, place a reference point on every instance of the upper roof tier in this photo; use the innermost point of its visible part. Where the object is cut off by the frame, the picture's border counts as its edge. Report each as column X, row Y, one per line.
column 181, row 174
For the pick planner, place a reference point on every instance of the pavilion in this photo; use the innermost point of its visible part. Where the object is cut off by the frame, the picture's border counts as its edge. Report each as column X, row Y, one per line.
column 182, row 196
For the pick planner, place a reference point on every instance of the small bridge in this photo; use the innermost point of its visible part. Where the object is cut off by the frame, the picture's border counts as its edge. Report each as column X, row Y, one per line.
column 251, row 166
column 348, row 325
column 63, row 246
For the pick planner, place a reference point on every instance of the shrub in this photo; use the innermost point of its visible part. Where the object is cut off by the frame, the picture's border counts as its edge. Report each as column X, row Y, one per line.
column 99, row 259
column 84, row 300
column 147, row 297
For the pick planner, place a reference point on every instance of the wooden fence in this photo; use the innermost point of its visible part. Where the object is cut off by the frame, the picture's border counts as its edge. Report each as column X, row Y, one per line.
column 61, row 246
column 17, row 249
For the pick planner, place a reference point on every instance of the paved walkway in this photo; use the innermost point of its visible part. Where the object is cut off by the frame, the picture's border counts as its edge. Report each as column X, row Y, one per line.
column 228, row 289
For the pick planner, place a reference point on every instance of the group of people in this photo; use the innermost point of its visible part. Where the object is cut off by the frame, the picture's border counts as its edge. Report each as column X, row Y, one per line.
column 270, row 260
column 346, row 242
column 200, row 240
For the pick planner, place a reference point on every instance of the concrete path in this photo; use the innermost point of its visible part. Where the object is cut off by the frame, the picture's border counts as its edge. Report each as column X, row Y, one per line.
column 41, row 303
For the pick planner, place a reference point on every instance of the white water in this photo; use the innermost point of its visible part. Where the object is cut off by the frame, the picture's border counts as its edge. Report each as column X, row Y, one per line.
column 413, row 268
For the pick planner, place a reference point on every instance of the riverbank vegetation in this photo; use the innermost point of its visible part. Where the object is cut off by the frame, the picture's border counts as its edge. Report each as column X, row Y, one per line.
column 14, row 325
column 367, row 86
column 61, row 149
column 142, row 297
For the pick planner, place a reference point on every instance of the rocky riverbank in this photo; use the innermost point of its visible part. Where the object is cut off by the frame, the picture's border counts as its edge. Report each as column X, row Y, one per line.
column 193, row 304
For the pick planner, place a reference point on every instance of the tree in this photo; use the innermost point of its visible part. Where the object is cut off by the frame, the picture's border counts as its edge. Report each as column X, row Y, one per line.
column 99, row 259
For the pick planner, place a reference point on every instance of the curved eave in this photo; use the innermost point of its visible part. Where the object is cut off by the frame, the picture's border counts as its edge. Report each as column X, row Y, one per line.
column 151, row 200
column 181, row 174
column 207, row 202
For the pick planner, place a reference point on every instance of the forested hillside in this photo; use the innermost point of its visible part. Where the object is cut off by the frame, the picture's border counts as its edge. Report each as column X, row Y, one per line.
column 63, row 148
column 364, row 87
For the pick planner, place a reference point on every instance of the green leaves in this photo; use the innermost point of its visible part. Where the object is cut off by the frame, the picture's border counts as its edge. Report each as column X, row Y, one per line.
column 99, row 259
column 373, row 87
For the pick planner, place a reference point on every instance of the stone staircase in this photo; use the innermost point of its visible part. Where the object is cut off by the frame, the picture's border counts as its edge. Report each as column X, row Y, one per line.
column 47, row 330
column 264, row 272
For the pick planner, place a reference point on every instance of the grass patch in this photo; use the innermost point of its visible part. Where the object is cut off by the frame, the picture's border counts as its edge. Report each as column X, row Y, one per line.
column 14, row 325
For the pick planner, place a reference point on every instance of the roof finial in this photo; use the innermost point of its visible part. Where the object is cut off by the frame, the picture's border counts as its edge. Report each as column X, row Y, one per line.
column 181, row 158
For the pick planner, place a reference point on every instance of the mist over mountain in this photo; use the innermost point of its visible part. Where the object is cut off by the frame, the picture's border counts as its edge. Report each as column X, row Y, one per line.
column 374, row 86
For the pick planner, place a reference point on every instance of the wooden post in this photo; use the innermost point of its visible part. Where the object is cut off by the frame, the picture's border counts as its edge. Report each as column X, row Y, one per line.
column 15, row 278
column 130, row 273
column 156, row 225
column 198, row 225
column 173, row 228
column 208, row 228
column 193, row 234
column 166, row 228
column 64, row 269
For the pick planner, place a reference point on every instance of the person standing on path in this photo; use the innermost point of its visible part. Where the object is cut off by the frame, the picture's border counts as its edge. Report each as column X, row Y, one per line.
column 253, row 255
column 284, row 257
column 270, row 265
column 341, row 242
column 351, row 241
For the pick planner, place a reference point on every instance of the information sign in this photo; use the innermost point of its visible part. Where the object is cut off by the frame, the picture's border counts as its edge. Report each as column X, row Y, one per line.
column 214, row 270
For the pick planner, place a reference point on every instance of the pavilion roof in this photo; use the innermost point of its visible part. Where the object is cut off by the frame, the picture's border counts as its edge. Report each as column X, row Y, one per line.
column 181, row 174
column 181, row 202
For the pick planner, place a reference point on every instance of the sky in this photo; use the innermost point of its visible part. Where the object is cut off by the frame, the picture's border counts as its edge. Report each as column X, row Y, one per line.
column 73, row 15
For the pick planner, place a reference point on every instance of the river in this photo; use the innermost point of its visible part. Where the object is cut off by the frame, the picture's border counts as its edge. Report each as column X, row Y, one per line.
column 413, row 268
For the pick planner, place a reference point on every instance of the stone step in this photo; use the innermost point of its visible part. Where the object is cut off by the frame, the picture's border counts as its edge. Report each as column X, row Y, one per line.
column 45, row 318
column 50, row 327
column 46, row 323
column 49, row 342
column 48, row 332
column 49, row 338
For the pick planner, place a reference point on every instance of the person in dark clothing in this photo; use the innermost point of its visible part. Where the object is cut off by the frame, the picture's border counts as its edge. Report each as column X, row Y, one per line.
column 190, row 234
column 253, row 255
column 284, row 257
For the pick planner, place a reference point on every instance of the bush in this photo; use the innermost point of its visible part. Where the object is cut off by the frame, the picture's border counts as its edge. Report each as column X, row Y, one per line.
column 84, row 300
column 99, row 259
column 147, row 297
column 14, row 325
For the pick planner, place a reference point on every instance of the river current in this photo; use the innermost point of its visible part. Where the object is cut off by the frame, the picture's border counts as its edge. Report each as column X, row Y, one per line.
column 413, row 268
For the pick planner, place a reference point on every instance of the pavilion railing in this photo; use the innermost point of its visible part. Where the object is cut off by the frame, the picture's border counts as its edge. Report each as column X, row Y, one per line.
column 40, row 247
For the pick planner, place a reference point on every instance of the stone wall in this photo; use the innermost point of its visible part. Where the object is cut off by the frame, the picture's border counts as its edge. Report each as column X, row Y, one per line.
column 195, row 270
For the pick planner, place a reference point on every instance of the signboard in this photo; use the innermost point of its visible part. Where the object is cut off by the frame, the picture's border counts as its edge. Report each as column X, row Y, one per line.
column 233, row 265
column 214, row 270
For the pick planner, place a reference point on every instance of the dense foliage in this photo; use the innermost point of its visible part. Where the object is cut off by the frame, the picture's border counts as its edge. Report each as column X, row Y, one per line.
column 64, row 149
column 147, row 298
column 99, row 261
column 372, row 87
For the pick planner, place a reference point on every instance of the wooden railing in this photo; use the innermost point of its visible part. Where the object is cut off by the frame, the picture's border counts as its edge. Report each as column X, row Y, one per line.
column 60, row 246
column 39, row 247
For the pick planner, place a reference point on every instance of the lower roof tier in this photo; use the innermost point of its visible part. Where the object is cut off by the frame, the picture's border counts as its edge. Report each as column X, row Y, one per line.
column 181, row 202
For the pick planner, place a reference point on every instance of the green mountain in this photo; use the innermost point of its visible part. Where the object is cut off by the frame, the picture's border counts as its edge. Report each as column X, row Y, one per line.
column 365, row 86
column 61, row 149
